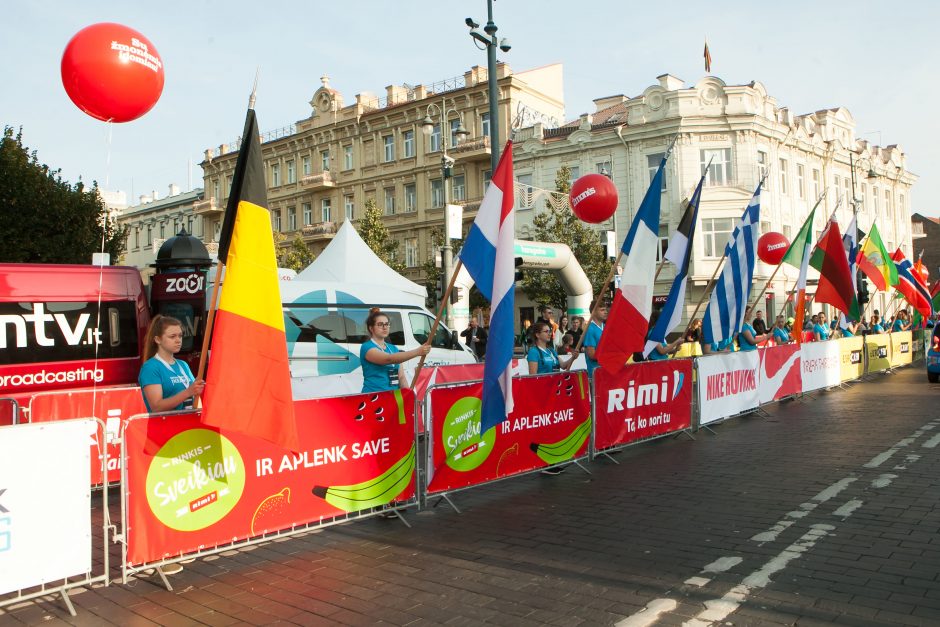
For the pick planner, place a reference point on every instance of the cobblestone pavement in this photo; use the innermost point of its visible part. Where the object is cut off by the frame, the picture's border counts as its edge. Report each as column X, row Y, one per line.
column 822, row 512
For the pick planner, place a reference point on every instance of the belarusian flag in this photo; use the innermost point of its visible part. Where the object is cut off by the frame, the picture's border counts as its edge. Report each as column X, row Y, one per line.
column 797, row 255
column 835, row 279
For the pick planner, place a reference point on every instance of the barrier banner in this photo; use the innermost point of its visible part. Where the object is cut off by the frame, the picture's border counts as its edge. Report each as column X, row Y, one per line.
column 852, row 366
column 821, row 365
column 45, row 503
column 193, row 487
column 550, row 424
column 901, row 349
column 727, row 385
column 780, row 372
column 878, row 348
column 113, row 406
column 642, row 401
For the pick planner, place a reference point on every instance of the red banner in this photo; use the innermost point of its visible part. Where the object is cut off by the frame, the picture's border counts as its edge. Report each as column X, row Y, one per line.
column 550, row 424
column 641, row 401
column 190, row 486
column 113, row 406
column 780, row 374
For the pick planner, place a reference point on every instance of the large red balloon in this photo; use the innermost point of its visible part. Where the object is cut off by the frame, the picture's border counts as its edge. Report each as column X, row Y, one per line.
column 593, row 198
column 771, row 247
column 112, row 72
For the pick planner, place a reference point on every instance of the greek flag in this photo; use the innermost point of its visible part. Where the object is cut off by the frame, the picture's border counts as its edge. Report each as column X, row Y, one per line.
column 728, row 301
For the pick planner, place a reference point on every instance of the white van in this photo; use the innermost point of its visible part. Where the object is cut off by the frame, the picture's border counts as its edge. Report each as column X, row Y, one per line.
column 325, row 327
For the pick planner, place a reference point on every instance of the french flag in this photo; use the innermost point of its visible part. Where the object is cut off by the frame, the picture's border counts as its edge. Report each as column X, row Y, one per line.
column 489, row 256
column 629, row 317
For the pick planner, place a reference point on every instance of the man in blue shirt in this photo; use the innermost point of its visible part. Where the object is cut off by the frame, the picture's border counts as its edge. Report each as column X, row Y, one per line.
column 592, row 337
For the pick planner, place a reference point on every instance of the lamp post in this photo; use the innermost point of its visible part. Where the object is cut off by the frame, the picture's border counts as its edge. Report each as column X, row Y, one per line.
column 443, row 114
column 490, row 42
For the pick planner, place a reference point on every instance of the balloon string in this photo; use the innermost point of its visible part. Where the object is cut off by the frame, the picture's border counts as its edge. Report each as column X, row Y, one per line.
column 104, row 233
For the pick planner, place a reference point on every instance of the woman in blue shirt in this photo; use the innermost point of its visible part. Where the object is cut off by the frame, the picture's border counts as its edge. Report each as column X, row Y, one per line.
column 542, row 357
column 781, row 335
column 748, row 339
column 381, row 360
column 664, row 350
column 901, row 323
column 167, row 383
column 876, row 326
column 821, row 329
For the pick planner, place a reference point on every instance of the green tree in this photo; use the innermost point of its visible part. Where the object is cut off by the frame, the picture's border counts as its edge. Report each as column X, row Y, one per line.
column 563, row 227
column 432, row 274
column 44, row 219
column 375, row 234
column 297, row 256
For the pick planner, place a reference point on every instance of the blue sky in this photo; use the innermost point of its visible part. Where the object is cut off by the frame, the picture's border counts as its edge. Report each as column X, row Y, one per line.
column 876, row 59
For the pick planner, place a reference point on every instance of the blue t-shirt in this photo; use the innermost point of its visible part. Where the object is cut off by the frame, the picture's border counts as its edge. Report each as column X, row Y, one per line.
column 377, row 378
column 743, row 344
column 878, row 328
column 822, row 330
column 655, row 355
column 781, row 336
column 546, row 358
column 898, row 325
column 847, row 332
column 592, row 337
column 172, row 379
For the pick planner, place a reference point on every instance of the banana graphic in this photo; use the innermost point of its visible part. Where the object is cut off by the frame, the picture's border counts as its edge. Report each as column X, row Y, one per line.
column 372, row 492
column 564, row 449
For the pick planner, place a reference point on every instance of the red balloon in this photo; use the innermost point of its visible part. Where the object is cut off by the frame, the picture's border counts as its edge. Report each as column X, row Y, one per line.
column 593, row 198
column 771, row 247
column 112, row 72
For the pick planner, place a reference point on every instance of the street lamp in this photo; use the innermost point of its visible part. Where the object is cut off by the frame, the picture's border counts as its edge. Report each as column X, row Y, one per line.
column 852, row 167
column 443, row 114
column 490, row 42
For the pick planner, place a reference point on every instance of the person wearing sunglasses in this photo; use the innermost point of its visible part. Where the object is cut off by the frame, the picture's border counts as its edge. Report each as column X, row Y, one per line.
column 382, row 362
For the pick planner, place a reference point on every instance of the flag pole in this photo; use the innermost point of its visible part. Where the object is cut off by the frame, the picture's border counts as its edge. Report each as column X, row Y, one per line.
column 597, row 304
column 437, row 320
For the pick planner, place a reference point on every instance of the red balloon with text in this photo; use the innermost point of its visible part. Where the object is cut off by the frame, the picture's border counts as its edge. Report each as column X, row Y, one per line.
column 771, row 247
column 112, row 72
column 593, row 198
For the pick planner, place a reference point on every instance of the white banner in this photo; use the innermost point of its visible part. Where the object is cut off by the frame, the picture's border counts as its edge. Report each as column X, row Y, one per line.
column 45, row 502
column 822, row 367
column 727, row 385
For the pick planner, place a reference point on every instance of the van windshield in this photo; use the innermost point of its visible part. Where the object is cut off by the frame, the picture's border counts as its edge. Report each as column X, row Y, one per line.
column 421, row 328
column 339, row 326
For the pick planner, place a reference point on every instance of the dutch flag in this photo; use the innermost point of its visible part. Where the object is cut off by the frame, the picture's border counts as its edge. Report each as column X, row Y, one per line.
column 489, row 256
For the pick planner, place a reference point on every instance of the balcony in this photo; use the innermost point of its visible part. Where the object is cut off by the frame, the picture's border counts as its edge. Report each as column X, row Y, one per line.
column 317, row 182
column 474, row 150
column 207, row 207
column 318, row 231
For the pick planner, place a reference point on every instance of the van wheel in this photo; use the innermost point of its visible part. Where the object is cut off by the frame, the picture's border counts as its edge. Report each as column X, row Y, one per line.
column 933, row 377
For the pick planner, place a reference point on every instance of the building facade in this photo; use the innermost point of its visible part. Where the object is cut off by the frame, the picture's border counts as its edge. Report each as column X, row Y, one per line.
column 154, row 221
column 325, row 168
column 747, row 136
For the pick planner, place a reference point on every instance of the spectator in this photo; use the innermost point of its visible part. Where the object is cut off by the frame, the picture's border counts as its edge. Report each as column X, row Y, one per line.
column 876, row 326
column 748, row 338
column 902, row 322
column 576, row 330
column 542, row 357
column 166, row 383
column 781, row 334
column 560, row 331
column 382, row 361
column 567, row 344
column 759, row 325
column 665, row 350
column 592, row 337
column 820, row 329
column 548, row 317
column 694, row 332
column 475, row 338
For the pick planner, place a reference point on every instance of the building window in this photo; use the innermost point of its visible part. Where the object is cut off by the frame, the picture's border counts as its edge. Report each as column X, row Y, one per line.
column 325, row 160
column 485, row 124
column 846, row 183
column 347, row 157
column 720, row 171
column 487, row 177
column 408, row 143
column 162, row 230
column 887, row 201
column 292, row 218
column 189, row 224
column 326, row 210
column 291, row 174
column 800, row 189
column 306, row 165
column 348, row 206
column 276, row 220
column 764, row 226
column 901, row 203
column 784, row 176
column 836, row 183
column 411, row 197
column 437, row 193
column 411, row 252
column 524, row 199
column 652, row 164
column 717, row 232
column 136, row 238
column 389, row 141
column 787, row 231
column 575, row 172
column 216, row 230
column 864, row 197
column 275, row 174
column 874, row 199
column 217, row 190
column 816, row 181
column 434, row 140
column 459, row 188
column 663, row 240
column 454, row 125
column 763, row 162
column 389, row 201
column 150, row 235
column 603, row 167
column 308, row 213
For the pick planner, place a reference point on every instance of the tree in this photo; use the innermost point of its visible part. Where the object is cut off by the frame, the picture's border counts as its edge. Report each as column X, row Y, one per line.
column 563, row 227
column 297, row 256
column 432, row 273
column 44, row 219
column 375, row 234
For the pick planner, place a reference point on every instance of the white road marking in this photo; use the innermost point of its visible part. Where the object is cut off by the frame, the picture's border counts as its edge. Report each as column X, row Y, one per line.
column 846, row 510
column 833, row 490
column 932, row 442
column 884, row 480
column 698, row 582
column 649, row 614
column 722, row 564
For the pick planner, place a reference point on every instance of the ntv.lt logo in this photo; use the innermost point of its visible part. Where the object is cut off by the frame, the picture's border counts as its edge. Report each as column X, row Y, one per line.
column 73, row 334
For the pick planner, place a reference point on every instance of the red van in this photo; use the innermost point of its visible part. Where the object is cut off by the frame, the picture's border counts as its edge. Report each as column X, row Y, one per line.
column 56, row 335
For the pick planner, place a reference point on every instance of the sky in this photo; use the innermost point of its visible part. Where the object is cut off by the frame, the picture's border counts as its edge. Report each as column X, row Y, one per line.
column 877, row 59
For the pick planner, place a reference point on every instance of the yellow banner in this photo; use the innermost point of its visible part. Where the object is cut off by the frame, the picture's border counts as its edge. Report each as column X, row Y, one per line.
column 901, row 348
column 878, row 348
column 852, row 365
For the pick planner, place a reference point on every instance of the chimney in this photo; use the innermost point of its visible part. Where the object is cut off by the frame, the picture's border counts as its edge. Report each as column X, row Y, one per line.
column 670, row 82
column 174, row 189
column 144, row 199
column 155, row 195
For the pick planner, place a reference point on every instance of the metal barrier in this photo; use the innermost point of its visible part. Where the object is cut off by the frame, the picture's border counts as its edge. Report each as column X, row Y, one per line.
column 62, row 583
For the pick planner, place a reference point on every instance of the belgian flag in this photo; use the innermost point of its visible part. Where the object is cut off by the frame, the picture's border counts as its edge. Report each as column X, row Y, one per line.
column 248, row 382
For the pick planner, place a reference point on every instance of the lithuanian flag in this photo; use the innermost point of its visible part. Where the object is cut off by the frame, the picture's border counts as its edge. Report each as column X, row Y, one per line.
column 248, row 383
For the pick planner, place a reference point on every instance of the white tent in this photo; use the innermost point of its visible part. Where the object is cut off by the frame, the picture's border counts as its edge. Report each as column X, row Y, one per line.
column 349, row 262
